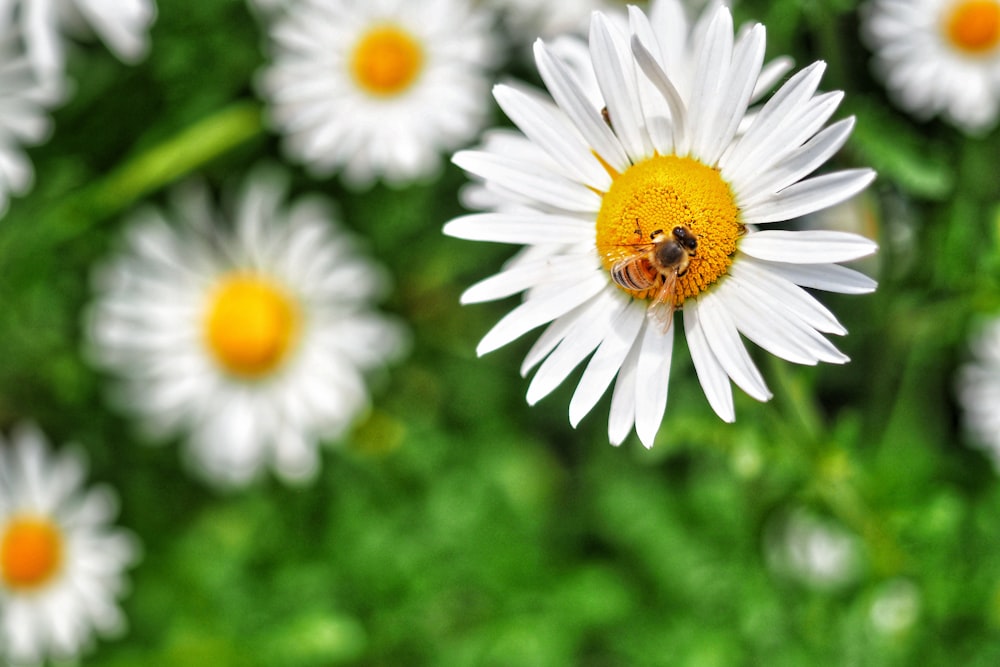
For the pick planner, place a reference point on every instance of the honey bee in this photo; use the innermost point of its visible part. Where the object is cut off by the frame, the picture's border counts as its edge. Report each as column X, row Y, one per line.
column 666, row 257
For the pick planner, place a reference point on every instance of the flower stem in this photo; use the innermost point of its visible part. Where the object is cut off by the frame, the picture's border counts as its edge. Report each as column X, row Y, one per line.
column 158, row 166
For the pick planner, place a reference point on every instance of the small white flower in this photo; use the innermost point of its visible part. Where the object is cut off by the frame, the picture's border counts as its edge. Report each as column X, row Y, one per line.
column 378, row 88
column 23, row 117
column 123, row 25
column 939, row 57
column 979, row 390
column 616, row 186
column 253, row 341
column 62, row 562
column 814, row 550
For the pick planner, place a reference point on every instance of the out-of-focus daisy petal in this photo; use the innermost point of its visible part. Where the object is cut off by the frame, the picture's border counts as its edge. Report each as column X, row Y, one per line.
column 251, row 353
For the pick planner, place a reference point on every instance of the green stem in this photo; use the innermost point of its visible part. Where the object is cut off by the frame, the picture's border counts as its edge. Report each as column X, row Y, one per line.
column 796, row 402
column 157, row 167
column 831, row 474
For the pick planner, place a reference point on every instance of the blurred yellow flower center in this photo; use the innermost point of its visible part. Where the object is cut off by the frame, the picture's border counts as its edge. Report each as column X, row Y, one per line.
column 974, row 26
column 250, row 326
column 30, row 552
column 662, row 193
column 386, row 60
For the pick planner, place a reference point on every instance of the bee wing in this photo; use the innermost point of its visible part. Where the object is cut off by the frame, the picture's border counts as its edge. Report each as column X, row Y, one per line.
column 634, row 273
column 662, row 307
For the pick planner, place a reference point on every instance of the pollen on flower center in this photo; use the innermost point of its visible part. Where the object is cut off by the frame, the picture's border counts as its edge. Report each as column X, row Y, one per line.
column 386, row 60
column 31, row 551
column 250, row 325
column 662, row 193
column 973, row 26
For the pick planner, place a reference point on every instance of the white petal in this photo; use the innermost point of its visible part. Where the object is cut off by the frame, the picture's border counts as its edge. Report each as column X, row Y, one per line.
column 829, row 277
column 595, row 323
column 537, row 311
column 711, row 375
column 652, row 70
column 567, row 94
column 806, row 247
column 521, row 229
column 526, row 275
column 655, row 110
column 748, row 56
column 607, row 361
column 622, row 415
column 551, row 337
column 789, row 296
column 652, row 380
column 530, row 180
column 712, row 62
column 550, row 129
column 767, row 322
column 799, row 163
column 809, row 196
column 722, row 336
column 616, row 78
column 770, row 75
column 772, row 117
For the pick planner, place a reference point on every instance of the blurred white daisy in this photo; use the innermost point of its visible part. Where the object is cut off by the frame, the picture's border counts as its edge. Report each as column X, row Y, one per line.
column 62, row 562
column 979, row 390
column 939, row 57
column 24, row 120
column 253, row 342
column 814, row 550
column 379, row 88
column 654, row 205
column 123, row 25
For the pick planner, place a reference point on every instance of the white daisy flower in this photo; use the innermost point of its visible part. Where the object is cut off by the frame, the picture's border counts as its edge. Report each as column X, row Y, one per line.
column 654, row 207
column 123, row 25
column 253, row 342
column 62, row 562
column 939, row 57
column 979, row 391
column 379, row 87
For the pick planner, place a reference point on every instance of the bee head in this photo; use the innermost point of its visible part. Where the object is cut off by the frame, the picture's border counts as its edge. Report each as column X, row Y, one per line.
column 685, row 238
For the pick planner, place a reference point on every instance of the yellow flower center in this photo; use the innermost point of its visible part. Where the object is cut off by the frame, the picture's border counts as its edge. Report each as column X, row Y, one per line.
column 973, row 26
column 386, row 60
column 31, row 552
column 250, row 326
column 662, row 193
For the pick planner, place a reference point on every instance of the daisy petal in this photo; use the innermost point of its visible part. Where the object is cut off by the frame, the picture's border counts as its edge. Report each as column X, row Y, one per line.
column 622, row 415
column 829, row 277
column 599, row 315
column 523, row 276
column 549, row 128
column 795, row 300
column 537, row 311
column 652, row 380
column 806, row 247
column 529, row 180
column 528, row 228
column 713, row 378
column 809, row 196
column 567, row 94
column 616, row 80
column 607, row 361
column 722, row 336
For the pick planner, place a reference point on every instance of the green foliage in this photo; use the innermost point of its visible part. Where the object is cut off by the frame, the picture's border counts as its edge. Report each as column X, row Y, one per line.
column 457, row 526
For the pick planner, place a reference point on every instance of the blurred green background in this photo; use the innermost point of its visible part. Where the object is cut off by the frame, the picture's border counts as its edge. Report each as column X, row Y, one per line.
column 844, row 523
